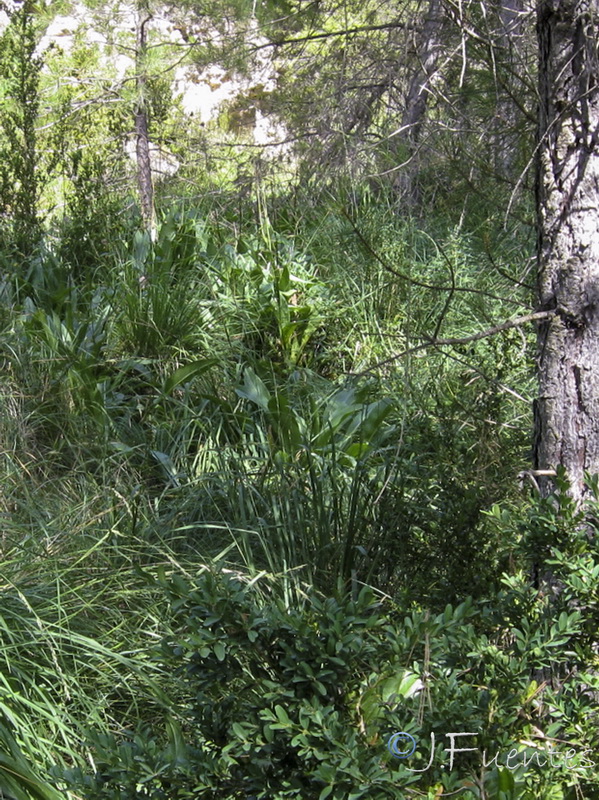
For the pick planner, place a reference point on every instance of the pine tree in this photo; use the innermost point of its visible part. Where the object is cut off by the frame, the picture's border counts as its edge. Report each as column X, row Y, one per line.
column 567, row 410
column 21, row 175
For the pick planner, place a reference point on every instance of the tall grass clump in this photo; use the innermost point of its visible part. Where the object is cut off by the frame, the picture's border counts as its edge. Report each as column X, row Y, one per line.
column 157, row 292
column 77, row 620
column 215, row 358
column 288, row 478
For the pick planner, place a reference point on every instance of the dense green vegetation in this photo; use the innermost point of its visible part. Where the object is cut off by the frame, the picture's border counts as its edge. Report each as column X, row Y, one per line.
column 260, row 500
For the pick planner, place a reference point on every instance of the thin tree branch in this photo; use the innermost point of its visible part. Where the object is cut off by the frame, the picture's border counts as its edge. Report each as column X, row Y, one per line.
column 389, row 26
column 453, row 340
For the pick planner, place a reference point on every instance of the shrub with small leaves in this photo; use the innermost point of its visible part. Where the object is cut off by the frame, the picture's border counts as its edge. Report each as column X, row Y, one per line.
column 276, row 701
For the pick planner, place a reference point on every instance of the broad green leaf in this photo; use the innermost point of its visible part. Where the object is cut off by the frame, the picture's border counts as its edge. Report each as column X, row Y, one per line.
column 282, row 715
column 186, row 373
column 404, row 684
column 269, row 734
column 238, row 730
column 505, row 780
column 219, row 651
column 253, row 389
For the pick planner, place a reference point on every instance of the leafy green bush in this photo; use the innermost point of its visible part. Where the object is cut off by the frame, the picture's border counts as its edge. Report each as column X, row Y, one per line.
column 278, row 700
column 273, row 297
column 268, row 708
column 94, row 227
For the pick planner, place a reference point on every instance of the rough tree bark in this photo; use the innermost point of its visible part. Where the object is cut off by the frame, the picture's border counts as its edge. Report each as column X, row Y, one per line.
column 144, row 167
column 567, row 409
column 510, row 35
column 427, row 47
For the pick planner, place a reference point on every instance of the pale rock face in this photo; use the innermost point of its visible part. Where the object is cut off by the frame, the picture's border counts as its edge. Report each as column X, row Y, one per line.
column 201, row 93
column 61, row 32
column 121, row 64
column 163, row 26
column 270, row 132
column 11, row 5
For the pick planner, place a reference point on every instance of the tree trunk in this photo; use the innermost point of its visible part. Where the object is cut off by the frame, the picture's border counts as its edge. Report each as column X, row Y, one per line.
column 427, row 55
column 427, row 49
column 567, row 409
column 506, row 134
column 144, row 167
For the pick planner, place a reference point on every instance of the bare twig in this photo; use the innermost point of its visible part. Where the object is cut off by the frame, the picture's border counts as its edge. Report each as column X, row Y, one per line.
column 346, row 32
column 453, row 340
